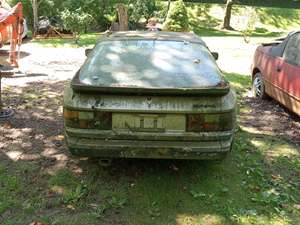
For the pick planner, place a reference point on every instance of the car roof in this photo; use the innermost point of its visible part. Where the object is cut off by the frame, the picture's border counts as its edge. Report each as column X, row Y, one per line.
column 154, row 35
column 294, row 32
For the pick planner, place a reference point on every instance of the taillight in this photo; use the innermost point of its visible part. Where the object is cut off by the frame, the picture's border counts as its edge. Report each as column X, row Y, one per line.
column 209, row 122
column 88, row 119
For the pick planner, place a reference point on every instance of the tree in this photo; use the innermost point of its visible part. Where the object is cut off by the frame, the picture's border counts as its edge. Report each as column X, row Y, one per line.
column 168, row 9
column 177, row 18
column 34, row 5
column 141, row 10
column 123, row 17
column 227, row 17
column 77, row 21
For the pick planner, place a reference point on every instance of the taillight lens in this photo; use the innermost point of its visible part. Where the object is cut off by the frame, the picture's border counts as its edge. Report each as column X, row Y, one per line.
column 88, row 120
column 209, row 122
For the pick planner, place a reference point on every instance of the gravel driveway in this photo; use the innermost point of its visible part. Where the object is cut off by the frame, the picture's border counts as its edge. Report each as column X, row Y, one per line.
column 40, row 64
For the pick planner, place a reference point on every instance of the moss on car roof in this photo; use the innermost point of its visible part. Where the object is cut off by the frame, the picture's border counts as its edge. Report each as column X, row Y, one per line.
column 158, row 35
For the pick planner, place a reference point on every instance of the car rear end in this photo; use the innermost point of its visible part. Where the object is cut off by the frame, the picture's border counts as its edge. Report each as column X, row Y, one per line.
column 149, row 127
column 152, row 98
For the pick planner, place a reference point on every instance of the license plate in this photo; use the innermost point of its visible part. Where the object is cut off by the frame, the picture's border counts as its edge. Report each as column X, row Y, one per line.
column 139, row 122
column 150, row 122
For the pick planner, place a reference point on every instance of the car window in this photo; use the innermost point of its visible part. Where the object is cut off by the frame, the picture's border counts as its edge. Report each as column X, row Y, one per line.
column 150, row 63
column 292, row 50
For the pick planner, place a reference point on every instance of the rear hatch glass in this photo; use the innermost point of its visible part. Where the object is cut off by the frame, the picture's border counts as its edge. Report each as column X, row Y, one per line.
column 149, row 64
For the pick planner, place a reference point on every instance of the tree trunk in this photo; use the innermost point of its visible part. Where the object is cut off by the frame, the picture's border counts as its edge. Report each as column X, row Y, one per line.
column 227, row 17
column 35, row 16
column 168, row 9
column 123, row 17
column 103, row 5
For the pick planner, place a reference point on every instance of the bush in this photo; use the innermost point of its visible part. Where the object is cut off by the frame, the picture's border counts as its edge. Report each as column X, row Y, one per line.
column 76, row 21
column 177, row 18
column 142, row 10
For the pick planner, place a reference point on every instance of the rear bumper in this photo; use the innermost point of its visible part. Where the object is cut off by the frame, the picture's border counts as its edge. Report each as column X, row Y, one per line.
column 108, row 148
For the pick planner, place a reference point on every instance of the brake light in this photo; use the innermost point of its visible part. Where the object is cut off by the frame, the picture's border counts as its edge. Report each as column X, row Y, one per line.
column 87, row 119
column 209, row 122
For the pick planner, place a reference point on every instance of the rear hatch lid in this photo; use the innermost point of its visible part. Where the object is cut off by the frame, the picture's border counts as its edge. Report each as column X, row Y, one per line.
column 151, row 67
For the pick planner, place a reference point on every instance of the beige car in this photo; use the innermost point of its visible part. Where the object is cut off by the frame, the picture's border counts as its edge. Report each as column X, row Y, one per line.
column 150, row 95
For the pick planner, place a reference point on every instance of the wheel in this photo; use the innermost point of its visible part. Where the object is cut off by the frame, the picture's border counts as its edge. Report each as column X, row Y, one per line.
column 258, row 87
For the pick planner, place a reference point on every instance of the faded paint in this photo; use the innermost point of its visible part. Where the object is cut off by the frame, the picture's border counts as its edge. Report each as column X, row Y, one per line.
column 149, row 104
column 140, row 143
column 149, row 125
column 151, row 63
column 149, row 149
column 280, row 73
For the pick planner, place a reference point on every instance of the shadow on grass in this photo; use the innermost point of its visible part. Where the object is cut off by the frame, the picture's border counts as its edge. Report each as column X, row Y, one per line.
column 278, row 17
column 40, row 181
column 212, row 32
column 204, row 24
column 268, row 115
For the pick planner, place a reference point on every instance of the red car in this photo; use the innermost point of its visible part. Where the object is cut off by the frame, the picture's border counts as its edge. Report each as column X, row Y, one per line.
column 276, row 71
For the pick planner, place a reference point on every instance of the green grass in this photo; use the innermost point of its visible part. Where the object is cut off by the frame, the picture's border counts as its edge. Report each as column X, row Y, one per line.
column 213, row 32
column 85, row 40
column 257, row 184
column 205, row 20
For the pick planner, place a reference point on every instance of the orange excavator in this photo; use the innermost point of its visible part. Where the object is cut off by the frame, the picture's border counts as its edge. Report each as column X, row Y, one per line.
column 11, row 30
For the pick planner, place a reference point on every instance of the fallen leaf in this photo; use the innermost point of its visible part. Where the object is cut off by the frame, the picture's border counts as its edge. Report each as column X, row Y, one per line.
column 70, row 207
column 296, row 206
column 255, row 189
column 284, row 206
column 50, row 194
column 36, row 223
column 7, row 125
column 276, row 177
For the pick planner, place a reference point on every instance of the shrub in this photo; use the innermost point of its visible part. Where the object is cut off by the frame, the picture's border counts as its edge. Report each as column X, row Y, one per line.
column 141, row 10
column 177, row 18
column 76, row 21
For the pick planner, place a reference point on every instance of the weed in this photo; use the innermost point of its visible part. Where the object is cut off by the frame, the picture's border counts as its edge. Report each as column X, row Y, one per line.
column 76, row 196
column 112, row 203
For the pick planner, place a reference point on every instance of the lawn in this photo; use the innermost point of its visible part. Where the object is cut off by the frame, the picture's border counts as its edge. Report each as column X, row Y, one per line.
column 41, row 183
column 85, row 40
column 258, row 183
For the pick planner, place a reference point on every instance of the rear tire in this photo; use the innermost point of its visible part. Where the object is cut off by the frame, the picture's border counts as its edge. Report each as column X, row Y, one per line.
column 258, row 87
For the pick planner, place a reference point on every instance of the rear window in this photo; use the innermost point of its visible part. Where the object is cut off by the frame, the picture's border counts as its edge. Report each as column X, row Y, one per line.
column 150, row 64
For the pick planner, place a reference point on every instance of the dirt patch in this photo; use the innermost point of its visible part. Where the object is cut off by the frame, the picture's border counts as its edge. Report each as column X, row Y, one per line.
column 35, row 130
column 268, row 116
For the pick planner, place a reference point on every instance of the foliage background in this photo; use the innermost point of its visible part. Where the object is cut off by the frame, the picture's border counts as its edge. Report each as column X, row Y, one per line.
column 102, row 11
column 202, row 14
column 177, row 19
column 260, row 3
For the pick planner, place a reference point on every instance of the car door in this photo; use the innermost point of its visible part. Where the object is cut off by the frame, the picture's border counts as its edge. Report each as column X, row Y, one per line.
column 290, row 68
column 284, row 71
